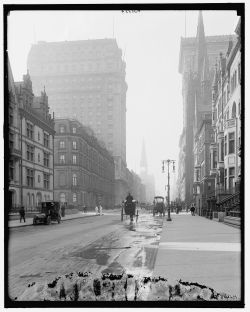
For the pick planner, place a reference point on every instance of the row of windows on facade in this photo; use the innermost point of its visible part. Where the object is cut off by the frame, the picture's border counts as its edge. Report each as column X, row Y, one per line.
column 31, row 199
column 234, row 81
column 79, row 67
column 81, row 83
column 87, row 163
column 226, row 147
column 30, row 176
column 30, row 134
column 63, row 197
column 86, row 100
column 226, row 114
column 30, row 155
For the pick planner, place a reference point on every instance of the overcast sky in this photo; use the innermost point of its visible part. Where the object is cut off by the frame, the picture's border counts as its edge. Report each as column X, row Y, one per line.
column 150, row 41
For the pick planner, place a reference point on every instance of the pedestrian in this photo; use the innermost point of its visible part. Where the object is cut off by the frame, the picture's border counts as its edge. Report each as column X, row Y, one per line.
column 22, row 214
column 100, row 210
column 63, row 210
column 192, row 209
column 96, row 210
column 129, row 198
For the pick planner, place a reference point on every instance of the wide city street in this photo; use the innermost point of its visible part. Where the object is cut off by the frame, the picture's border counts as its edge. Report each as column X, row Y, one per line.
column 98, row 244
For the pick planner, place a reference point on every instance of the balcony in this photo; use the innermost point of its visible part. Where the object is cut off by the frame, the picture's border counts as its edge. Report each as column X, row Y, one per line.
column 213, row 171
column 230, row 123
column 15, row 152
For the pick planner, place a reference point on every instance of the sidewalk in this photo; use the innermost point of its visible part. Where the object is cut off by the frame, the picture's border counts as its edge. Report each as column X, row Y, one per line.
column 29, row 221
column 196, row 249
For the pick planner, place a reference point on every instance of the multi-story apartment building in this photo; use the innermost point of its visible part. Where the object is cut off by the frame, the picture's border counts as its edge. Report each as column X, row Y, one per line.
column 195, row 55
column 86, row 79
column 226, row 110
column 181, row 169
column 14, row 144
column 203, row 182
column 84, row 169
column 31, row 142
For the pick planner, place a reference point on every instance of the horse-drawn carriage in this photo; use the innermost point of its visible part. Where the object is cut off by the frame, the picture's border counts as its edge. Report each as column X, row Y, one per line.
column 129, row 209
column 159, row 206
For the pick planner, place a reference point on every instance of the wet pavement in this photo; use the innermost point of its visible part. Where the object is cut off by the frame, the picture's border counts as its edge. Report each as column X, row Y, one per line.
column 99, row 245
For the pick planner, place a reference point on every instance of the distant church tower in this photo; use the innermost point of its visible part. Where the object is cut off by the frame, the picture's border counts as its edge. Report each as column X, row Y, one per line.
column 147, row 180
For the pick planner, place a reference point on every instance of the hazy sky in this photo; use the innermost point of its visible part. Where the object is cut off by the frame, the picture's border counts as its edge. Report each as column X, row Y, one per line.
column 150, row 41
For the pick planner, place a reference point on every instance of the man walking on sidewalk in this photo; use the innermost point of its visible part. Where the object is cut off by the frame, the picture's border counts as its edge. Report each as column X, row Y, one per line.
column 192, row 209
column 22, row 214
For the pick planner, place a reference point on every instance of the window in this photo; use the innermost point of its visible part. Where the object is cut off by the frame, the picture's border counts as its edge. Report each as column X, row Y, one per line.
column 30, row 177
column 11, row 169
column 30, row 130
column 239, row 72
column 62, row 144
column 214, row 159
column 46, row 181
column 234, row 110
column 62, row 129
column 225, row 140
column 231, row 143
column 30, row 152
column 74, row 159
column 74, row 180
column 74, row 144
column 11, row 115
column 39, row 178
column 11, row 140
column 222, row 150
column 225, row 179
column 62, row 159
column 74, row 197
column 38, row 136
column 239, row 109
column 74, row 129
column 38, row 157
column 231, row 178
column 46, row 159
column 46, row 139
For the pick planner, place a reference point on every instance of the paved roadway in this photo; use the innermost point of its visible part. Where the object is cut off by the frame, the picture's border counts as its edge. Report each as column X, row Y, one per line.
column 96, row 244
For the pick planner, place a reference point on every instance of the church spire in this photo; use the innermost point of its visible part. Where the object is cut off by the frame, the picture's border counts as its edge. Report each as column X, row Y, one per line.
column 143, row 163
column 201, row 47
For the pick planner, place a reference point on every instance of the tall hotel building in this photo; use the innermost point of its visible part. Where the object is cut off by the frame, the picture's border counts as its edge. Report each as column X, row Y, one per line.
column 86, row 80
column 196, row 61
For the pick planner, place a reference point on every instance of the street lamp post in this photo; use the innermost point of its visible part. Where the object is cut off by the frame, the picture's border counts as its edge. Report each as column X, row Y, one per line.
column 168, row 161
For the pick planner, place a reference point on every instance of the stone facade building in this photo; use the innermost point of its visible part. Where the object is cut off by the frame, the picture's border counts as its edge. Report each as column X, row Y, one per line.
column 84, row 169
column 203, row 183
column 225, row 150
column 197, row 56
column 31, row 138
column 86, row 79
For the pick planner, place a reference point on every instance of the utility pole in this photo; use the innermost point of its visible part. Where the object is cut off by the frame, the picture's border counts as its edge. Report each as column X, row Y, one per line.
column 168, row 161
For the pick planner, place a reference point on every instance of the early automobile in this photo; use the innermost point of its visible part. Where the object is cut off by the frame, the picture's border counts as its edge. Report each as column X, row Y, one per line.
column 50, row 211
column 159, row 206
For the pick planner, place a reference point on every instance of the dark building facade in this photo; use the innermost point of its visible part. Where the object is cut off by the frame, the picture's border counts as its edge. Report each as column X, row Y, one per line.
column 196, row 64
column 86, row 79
column 84, row 169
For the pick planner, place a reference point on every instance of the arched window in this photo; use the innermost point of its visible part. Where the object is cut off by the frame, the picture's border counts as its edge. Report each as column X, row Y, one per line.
column 32, row 200
column 74, row 179
column 74, row 197
column 62, row 198
column 234, row 110
column 28, row 199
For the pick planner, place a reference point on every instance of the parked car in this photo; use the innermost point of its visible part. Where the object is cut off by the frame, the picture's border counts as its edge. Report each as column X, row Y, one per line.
column 50, row 211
